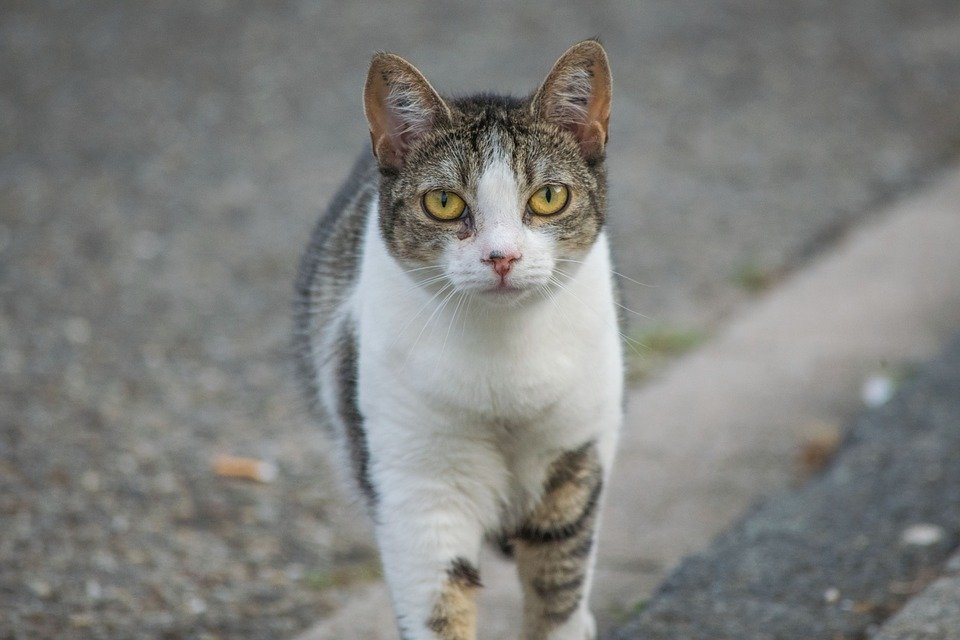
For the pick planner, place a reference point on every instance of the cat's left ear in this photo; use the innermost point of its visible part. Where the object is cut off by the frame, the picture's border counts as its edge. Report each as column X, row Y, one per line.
column 576, row 96
column 401, row 107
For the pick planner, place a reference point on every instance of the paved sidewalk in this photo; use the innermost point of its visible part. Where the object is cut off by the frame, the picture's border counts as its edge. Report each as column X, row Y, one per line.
column 724, row 426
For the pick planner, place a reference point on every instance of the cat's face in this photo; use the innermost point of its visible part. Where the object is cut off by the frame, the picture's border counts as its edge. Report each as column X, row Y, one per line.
column 487, row 195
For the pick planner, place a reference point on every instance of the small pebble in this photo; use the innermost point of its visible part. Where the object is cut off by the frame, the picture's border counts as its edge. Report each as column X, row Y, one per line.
column 94, row 590
column 831, row 595
column 166, row 482
column 82, row 619
column 136, row 556
column 105, row 561
column 120, row 523
column 196, row 606
column 41, row 588
column 90, row 481
column 922, row 535
column 877, row 390
column 294, row 571
column 77, row 330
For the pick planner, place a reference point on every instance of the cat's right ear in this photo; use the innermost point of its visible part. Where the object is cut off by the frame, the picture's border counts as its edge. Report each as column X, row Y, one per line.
column 401, row 106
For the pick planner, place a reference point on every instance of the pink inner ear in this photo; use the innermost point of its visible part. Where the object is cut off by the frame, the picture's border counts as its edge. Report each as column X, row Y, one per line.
column 400, row 106
column 571, row 98
column 576, row 107
column 409, row 116
column 576, row 96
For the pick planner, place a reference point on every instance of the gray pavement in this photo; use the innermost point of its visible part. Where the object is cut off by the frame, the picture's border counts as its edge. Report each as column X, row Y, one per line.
column 161, row 165
column 932, row 615
column 836, row 557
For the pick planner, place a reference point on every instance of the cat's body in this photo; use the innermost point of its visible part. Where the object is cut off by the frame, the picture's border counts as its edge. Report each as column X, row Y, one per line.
column 470, row 367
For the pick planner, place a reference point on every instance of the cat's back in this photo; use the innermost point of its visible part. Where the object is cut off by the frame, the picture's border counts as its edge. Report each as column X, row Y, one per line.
column 329, row 266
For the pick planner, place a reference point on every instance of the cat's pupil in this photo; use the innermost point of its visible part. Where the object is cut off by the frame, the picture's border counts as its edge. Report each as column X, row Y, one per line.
column 443, row 199
column 548, row 194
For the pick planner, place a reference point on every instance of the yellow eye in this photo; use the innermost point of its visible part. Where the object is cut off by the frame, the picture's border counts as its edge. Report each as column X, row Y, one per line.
column 550, row 199
column 443, row 205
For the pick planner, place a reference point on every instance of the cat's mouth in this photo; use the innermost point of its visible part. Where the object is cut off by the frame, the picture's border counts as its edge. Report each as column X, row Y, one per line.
column 504, row 289
column 505, row 293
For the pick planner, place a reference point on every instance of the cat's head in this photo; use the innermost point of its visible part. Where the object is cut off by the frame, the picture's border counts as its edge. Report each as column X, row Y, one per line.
column 490, row 194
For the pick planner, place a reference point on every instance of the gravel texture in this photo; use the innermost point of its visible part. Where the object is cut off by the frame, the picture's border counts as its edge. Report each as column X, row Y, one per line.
column 837, row 557
column 162, row 163
column 933, row 615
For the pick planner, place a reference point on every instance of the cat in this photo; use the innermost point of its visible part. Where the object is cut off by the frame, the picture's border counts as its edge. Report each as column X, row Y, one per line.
column 457, row 332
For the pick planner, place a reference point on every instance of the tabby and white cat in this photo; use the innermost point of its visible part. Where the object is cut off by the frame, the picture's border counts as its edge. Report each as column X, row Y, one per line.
column 457, row 331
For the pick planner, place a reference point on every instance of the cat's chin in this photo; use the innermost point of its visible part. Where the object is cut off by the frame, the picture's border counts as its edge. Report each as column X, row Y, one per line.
column 506, row 296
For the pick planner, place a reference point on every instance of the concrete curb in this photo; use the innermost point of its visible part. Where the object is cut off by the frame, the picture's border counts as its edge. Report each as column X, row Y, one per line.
column 933, row 615
column 723, row 426
column 836, row 557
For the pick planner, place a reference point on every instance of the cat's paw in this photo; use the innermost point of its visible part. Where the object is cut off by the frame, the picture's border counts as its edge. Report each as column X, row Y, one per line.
column 580, row 626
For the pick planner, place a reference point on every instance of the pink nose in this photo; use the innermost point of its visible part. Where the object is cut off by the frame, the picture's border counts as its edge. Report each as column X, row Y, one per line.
column 501, row 261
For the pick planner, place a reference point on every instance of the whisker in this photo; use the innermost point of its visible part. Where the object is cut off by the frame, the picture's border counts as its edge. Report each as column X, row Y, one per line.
column 429, row 266
column 616, row 273
column 625, row 308
column 453, row 319
column 421, row 310
column 422, row 283
column 466, row 314
column 440, row 306
column 630, row 341
column 558, row 308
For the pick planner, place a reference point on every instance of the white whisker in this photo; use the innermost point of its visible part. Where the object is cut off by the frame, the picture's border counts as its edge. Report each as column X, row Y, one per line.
column 616, row 273
column 419, row 311
column 429, row 266
column 625, row 308
column 466, row 314
column 453, row 318
column 559, row 310
column 423, row 283
column 627, row 339
column 440, row 306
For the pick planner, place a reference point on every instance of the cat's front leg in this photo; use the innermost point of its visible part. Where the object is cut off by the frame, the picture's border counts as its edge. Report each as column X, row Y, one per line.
column 430, row 538
column 429, row 557
column 555, row 549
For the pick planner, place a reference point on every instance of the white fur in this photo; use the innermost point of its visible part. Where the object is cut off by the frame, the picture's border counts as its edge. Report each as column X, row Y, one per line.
column 466, row 404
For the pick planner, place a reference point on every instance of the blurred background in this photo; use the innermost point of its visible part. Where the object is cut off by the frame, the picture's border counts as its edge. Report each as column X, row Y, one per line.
column 161, row 165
